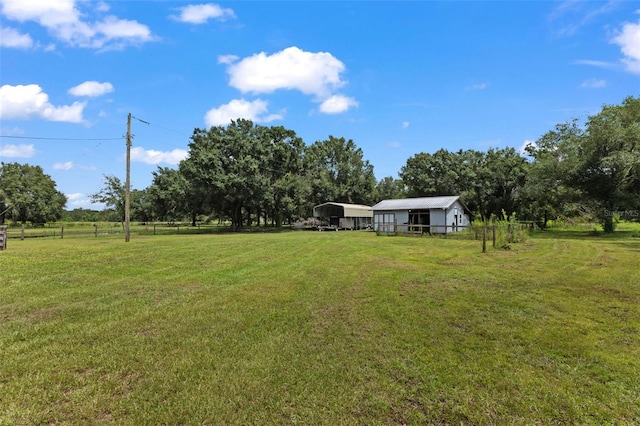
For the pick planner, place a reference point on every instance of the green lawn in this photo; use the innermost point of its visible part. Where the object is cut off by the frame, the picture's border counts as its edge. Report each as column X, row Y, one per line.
column 320, row 328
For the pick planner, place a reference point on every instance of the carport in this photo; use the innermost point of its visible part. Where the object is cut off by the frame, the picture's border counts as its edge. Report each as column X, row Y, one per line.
column 344, row 216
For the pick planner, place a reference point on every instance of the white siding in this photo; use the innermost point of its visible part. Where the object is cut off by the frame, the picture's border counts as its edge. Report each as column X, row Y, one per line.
column 437, row 220
column 463, row 219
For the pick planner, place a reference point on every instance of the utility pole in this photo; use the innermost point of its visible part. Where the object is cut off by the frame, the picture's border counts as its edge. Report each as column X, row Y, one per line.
column 127, row 185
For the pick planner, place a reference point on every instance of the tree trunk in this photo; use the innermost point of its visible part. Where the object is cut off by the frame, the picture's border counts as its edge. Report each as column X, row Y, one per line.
column 236, row 220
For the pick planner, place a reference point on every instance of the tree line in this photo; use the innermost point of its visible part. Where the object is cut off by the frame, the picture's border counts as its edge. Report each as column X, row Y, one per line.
column 250, row 174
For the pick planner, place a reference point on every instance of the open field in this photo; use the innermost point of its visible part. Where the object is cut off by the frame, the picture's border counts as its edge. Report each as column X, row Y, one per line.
column 320, row 328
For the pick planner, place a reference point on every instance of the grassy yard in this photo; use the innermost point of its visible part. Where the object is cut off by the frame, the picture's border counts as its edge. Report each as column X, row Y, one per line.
column 320, row 328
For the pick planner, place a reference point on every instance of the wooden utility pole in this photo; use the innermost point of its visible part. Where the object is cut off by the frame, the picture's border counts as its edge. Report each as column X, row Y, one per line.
column 127, row 185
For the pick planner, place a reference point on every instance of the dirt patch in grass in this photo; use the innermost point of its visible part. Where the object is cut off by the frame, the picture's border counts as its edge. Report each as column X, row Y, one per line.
column 10, row 313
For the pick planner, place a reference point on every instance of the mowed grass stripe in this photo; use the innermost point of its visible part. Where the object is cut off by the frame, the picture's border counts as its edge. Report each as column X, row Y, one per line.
column 319, row 328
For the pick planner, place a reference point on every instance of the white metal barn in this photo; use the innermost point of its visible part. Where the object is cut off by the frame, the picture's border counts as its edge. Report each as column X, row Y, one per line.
column 344, row 216
column 436, row 215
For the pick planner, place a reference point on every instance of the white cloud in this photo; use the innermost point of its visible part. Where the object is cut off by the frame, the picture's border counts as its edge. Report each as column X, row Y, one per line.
column 570, row 16
column 91, row 88
column 405, row 124
column 156, row 157
column 11, row 131
column 17, row 151
column 394, row 144
column 477, row 86
column 115, row 28
column 201, row 13
column 255, row 111
column 79, row 200
column 10, row 37
column 47, row 13
column 25, row 102
column 75, row 196
column 337, row 104
column 63, row 166
column 64, row 21
column 629, row 41
column 593, row 83
column 290, row 69
column 227, row 59
column 598, row 64
column 102, row 7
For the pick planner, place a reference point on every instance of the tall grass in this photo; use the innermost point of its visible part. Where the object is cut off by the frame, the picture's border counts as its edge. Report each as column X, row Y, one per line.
column 319, row 328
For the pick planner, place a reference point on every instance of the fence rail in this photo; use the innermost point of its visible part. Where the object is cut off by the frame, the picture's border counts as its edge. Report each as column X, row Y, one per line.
column 76, row 230
column 506, row 233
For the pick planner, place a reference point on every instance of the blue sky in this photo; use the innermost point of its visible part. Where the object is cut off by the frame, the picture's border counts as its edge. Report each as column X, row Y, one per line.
column 398, row 78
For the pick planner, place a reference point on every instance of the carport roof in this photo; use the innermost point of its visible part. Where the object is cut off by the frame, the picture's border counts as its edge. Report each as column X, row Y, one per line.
column 349, row 210
column 423, row 203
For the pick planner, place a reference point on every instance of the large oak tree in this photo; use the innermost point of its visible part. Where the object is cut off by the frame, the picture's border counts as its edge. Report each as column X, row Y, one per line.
column 27, row 194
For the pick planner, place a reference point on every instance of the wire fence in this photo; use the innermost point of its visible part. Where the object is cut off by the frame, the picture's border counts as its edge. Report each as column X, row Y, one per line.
column 106, row 229
column 500, row 235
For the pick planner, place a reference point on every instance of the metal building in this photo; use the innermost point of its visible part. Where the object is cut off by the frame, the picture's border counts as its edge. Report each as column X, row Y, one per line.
column 435, row 215
column 344, row 216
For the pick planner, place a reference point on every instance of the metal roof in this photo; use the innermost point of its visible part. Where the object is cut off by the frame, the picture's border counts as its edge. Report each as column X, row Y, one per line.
column 423, row 203
column 349, row 210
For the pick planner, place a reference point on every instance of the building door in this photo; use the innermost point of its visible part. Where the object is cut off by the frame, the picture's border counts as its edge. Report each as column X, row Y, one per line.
column 420, row 219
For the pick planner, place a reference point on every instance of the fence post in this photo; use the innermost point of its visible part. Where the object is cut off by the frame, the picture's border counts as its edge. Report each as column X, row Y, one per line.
column 493, row 230
column 62, row 232
column 154, row 229
column 95, row 230
column 484, row 239
column 22, row 233
column 3, row 237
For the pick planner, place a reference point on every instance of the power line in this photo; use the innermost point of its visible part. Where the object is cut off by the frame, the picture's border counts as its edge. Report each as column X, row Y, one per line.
column 140, row 120
column 62, row 139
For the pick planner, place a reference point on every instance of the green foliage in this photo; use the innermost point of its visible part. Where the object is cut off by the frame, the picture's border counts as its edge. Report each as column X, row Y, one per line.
column 597, row 165
column 113, row 195
column 488, row 182
column 510, row 231
column 608, row 167
column 86, row 215
column 169, row 195
column 429, row 175
column 338, row 172
column 320, row 328
column 242, row 169
column 389, row 188
column 27, row 194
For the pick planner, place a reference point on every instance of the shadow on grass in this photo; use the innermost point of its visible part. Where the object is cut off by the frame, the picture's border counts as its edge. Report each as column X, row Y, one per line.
column 633, row 244
column 588, row 235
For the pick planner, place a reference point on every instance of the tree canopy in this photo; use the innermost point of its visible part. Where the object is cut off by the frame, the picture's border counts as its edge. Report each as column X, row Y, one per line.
column 27, row 194
column 596, row 165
